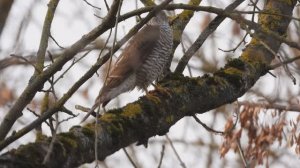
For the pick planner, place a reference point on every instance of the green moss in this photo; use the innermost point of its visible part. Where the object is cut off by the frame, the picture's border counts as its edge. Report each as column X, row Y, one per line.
column 290, row 2
column 108, row 117
column 26, row 152
column 88, row 130
column 210, row 81
column 232, row 75
column 68, row 140
column 132, row 110
column 186, row 15
column 170, row 119
column 148, row 2
column 115, row 129
column 40, row 136
column 213, row 90
column 177, row 34
column 194, row 2
column 233, row 71
column 237, row 63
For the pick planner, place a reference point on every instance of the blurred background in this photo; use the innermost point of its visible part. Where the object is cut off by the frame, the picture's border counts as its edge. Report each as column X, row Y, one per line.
column 187, row 142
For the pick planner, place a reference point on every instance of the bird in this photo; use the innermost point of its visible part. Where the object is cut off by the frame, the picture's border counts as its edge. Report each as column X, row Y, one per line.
column 141, row 63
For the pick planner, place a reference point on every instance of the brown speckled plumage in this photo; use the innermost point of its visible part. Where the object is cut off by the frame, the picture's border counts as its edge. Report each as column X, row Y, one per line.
column 142, row 60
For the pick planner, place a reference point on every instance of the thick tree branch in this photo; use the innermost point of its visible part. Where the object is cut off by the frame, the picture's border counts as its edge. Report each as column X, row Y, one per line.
column 147, row 117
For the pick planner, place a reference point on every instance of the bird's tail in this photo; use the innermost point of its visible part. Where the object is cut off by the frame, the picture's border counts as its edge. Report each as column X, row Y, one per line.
column 101, row 100
column 90, row 112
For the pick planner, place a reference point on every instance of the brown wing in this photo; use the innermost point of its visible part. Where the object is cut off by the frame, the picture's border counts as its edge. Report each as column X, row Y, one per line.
column 133, row 56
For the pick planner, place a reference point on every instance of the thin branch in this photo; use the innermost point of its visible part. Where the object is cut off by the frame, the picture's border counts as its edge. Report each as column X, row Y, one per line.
column 73, row 63
column 207, row 127
column 237, row 46
column 241, row 152
column 106, row 4
column 287, row 70
column 61, row 47
column 93, row 6
column 162, row 153
column 211, row 129
column 280, row 107
column 213, row 25
column 182, row 164
column 129, row 158
column 25, row 60
column 44, row 38
column 284, row 62
column 49, row 152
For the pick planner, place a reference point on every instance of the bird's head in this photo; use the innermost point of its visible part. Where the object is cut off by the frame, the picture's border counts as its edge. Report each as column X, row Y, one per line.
column 160, row 18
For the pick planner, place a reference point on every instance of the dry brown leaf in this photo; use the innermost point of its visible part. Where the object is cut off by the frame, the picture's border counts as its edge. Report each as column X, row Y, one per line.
column 6, row 95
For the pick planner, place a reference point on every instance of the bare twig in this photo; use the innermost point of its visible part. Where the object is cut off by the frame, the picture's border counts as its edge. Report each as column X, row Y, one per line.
column 284, row 62
column 37, row 115
column 287, row 70
column 207, row 127
column 129, row 158
column 47, row 157
column 162, row 153
column 93, row 6
column 25, row 60
column 73, row 63
column 106, row 4
column 282, row 108
column 237, row 46
column 213, row 25
column 182, row 164
column 45, row 36
column 241, row 152
column 61, row 47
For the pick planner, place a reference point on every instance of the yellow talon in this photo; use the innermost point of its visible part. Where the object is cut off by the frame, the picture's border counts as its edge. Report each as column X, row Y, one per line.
column 162, row 90
column 153, row 98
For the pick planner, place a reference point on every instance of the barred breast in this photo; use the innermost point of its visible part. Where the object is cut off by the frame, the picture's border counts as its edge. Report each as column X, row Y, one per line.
column 157, row 60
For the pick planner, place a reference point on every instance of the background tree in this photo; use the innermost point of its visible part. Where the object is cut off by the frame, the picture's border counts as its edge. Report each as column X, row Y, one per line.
column 244, row 77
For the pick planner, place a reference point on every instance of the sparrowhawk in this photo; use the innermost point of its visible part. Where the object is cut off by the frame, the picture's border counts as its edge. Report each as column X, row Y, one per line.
column 142, row 61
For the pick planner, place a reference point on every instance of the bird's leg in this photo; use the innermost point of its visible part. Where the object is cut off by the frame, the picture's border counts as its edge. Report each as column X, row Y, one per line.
column 161, row 89
column 151, row 96
column 104, row 109
column 146, row 90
